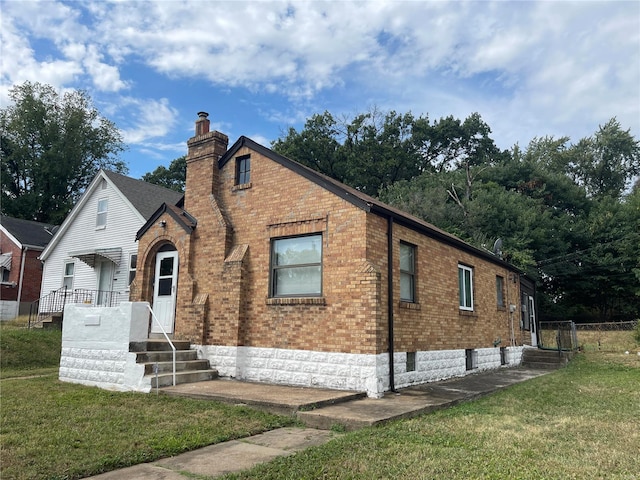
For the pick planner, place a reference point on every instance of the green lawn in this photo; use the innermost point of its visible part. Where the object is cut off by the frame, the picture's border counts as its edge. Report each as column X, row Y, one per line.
column 55, row 430
column 579, row 422
column 28, row 352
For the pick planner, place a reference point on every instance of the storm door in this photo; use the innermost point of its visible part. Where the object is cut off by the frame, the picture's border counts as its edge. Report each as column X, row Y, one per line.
column 164, row 291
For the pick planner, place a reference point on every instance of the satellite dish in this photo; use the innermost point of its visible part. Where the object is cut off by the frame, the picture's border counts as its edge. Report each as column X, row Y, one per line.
column 497, row 248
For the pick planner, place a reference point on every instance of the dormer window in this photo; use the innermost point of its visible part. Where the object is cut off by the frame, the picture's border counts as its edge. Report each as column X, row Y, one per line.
column 243, row 170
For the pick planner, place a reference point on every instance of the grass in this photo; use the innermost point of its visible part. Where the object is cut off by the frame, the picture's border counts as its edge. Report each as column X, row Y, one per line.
column 55, row 430
column 28, row 352
column 580, row 422
column 607, row 341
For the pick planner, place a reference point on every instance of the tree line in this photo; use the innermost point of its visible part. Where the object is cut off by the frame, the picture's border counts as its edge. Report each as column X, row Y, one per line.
column 566, row 213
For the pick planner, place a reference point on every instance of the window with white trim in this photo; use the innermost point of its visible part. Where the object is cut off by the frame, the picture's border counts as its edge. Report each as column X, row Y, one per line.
column 133, row 262
column 407, row 272
column 67, row 279
column 101, row 217
column 465, row 285
column 296, row 266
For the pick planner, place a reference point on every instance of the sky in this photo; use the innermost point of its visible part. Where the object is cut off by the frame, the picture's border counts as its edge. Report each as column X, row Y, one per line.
column 529, row 68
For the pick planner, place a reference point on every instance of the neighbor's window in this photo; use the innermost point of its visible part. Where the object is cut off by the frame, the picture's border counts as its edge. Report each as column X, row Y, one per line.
column 296, row 266
column 133, row 261
column 67, row 280
column 500, row 291
column 5, row 274
column 407, row 272
column 101, row 218
column 465, row 284
column 243, row 170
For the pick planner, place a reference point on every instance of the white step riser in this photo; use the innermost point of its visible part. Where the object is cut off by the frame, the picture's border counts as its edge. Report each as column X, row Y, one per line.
column 166, row 379
column 167, row 367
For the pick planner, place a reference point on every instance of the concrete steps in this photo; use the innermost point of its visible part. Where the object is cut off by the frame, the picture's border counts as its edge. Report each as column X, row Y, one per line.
column 157, row 358
column 545, row 359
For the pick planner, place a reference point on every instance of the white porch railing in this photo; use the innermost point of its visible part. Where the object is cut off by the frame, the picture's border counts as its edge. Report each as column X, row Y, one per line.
column 173, row 348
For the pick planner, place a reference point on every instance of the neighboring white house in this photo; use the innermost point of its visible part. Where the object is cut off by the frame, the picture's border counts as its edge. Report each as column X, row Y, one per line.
column 94, row 252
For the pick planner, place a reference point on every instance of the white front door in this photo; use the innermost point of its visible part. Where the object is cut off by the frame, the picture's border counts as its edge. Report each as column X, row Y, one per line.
column 105, row 283
column 164, row 291
column 531, row 311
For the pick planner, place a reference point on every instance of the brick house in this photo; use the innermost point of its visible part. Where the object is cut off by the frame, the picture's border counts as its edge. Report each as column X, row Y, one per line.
column 21, row 242
column 277, row 273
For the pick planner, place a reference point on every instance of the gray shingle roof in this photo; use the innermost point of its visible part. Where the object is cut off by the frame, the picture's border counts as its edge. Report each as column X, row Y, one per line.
column 145, row 197
column 27, row 232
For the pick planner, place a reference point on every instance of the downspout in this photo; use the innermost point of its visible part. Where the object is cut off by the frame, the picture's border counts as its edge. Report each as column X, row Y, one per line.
column 22, row 261
column 392, row 385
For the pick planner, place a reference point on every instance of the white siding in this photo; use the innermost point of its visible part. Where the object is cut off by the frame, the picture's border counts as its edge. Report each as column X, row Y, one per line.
column 123, row 222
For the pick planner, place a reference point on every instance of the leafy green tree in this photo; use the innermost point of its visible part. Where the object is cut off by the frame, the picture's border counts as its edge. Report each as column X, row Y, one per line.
column 173, row 177
column 564, row 211
column 381, row 149
column 52, row 147
column 600, row 282
column 316, row 146
column 608, row 161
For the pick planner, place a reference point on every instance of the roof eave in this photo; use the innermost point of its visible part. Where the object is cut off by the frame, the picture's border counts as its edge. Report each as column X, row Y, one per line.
column 441, row 236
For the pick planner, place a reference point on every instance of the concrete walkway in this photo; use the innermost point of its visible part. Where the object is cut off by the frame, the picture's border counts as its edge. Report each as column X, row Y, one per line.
column 318, row 409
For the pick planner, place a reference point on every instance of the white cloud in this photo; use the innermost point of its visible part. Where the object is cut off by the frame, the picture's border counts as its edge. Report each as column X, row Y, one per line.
column 529, row 68
column 148, row 119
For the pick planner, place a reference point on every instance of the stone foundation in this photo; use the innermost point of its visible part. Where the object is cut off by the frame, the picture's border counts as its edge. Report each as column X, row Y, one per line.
column 344, row 371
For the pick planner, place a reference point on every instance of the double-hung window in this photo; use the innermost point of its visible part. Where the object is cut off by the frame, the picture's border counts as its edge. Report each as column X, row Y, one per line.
column 407, row 272
column 133, row 261
column 296, row 266
column 465, row 285
column 67, row 279
column 243, row 170
column 101, row 217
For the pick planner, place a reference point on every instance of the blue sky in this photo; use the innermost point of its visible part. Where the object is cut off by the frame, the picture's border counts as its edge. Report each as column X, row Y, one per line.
column 530, row 68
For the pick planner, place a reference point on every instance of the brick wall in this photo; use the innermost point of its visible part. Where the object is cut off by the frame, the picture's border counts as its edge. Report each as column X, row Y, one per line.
column 223, row 286
column 32, row 273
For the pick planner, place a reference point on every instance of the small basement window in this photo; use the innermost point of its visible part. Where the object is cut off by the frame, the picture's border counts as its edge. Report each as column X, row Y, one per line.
column 411, row 361
column 503, row 356
column 471, row 357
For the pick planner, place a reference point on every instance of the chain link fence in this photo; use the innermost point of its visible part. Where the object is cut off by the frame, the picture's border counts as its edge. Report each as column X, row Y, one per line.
column 607, row 337
column 558, row 336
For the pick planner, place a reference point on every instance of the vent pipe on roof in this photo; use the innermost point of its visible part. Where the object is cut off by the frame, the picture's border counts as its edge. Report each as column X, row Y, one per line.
column 202, row 124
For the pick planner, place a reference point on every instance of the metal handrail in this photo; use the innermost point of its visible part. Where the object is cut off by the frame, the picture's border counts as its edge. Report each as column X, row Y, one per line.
column 173, row 348
column 55, row 301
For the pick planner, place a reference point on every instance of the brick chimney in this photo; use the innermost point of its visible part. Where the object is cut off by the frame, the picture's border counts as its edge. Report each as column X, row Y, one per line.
column 204, row 151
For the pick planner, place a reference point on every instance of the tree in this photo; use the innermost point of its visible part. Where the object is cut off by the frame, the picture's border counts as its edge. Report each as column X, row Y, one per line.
column 52, row 147
column 380, row 149
column 173, row 177
column 316, row 146
column 564, row 212
column 608, row 161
